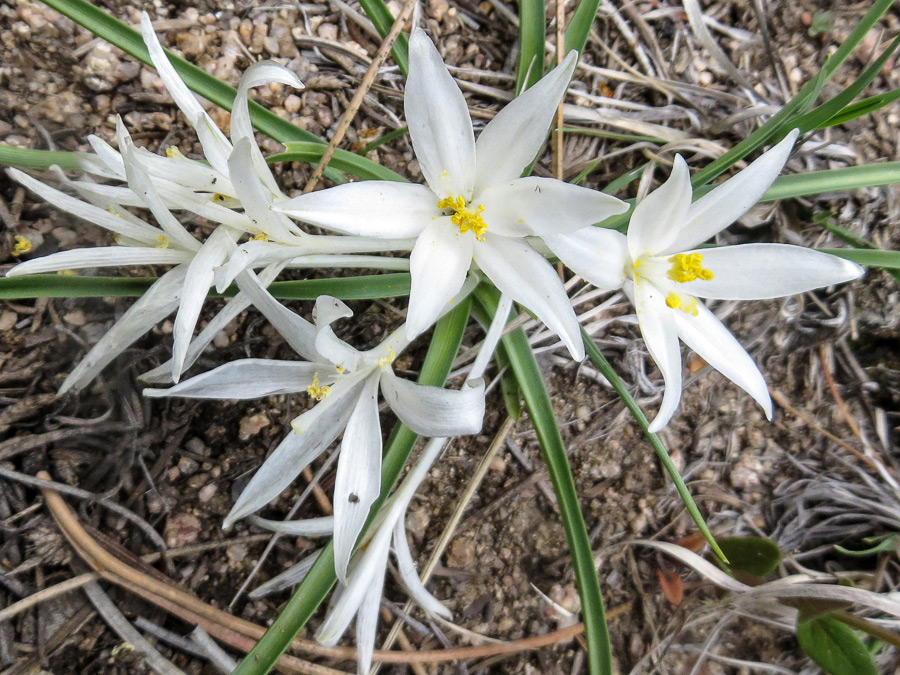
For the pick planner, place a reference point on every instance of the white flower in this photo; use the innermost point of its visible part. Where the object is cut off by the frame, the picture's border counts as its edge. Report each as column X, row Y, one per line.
column 346, row 382
column 475, row 206
column 664, row 273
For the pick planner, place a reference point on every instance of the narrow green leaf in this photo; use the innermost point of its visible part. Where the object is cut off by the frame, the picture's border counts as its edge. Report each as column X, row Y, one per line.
column 309, row 595
column 37, row 159
column 833, row 180
column 886, row 543
column 753, row 555
column 600, row 133
column 580, row 25
column 834, row 647
column 386, row 138
column 381, row 16
column 345, row 161
column 537, row 401
column 862, row 107
column 601, row 364
column 367, row 287
column 869, row 257
column 854, row 240
column 532, row 35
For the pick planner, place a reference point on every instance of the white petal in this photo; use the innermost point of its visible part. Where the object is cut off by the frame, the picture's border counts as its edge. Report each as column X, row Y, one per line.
column 258, row 74
column 511, row 141
column 727, row 202
column 438, row 266
column 290, row 577
column 320, row 426
column 139, row 181
column 373, row 208
column 251, row 254
column 311, row 527
column 248, row 378
column 162, row 374
column 658, row 218
column 596, row 254
column 758, row 271
column 433, row 411
column 110, row 221
column 255, row 197
column 439, row 122
column 661, row 337
column 102, row 256
column 358, row 477
column 707, row 336
column 215, row 146
column 326, row 312
column 523, row 274
column 410, row 577
column 367, row 624
column 153, row 306
column 110, row 158
column 189, row 173
column 196, row 286
column 544, row 206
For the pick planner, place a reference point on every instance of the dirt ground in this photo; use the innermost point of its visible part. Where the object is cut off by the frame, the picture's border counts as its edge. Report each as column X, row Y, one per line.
column 831, row 357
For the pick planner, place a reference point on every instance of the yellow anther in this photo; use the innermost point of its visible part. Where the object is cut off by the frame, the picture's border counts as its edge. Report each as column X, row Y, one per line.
column 172, row 152
column 162, row 241
column 673, row 300
column 66, row 273
column 688, row 305
column 219, row 197
column 340, row 369
column 316, row 391
column 22, row 245
column 465, row 218
column 387, row 360
column 688, row 267
column 111, row 209
column 262, row 236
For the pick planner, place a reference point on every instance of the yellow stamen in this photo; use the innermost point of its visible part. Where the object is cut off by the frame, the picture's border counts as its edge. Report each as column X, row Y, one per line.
column 387, row 360
column 673, row 300
column 316, row 391
column 162, row 241
column 219, row 197
column 66, row 273
column 172, row 152
column 465, row 218
column 262, row 236
column 340, row 369
column 22, row 245
column 688, row 305
column 688, row 267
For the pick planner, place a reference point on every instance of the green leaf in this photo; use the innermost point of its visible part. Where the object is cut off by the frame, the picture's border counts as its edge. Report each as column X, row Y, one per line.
column 367, row 287
column 886, row 543
column 345, row 161
column 553, row 450
column 381, row 16
column 601, row 364
column 753, row 555
column 834, row 646
column 833, row 180
column 315, row 587
column 532, row 34
column 37, row 159
column 862, row 107
column 580, row 25
column 868, row 257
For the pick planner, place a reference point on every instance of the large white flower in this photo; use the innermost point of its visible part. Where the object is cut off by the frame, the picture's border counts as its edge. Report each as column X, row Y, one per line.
column 475, row 205
column 345, row 382
column 664, row 273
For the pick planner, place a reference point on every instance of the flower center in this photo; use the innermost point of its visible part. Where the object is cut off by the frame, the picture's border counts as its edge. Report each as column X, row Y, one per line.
column 464, row 217
column 688, row 267
column 316, row 391
column 385, row 361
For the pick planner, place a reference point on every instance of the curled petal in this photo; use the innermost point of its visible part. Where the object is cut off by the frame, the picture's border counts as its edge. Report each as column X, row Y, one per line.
column 372, row 208
column 511, row 141
column 597, row 255
column 246, row 379
column 707, row 336
column 727, row 202
column 522, row 273
column 311, row 527
column 367, row 623
column 658, row 217
column 661, row 337
column 433, row 411
column 758, row 271
column 358, row 478
column 327, row 311
column 407, row 568
column 544, row 206
column 439, row 122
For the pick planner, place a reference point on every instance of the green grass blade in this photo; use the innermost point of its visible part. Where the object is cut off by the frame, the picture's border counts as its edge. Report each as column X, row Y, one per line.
column 310, row 594
column 856, row 241
column 889, row 260
column 381, row 16
column 129, row 40
column 369, row 287
column 537, row 401
column 37, row 159
column 387, row 138
column 532, row 34
column 601, row 364
column 833, row 180
column 345, row 161
column 863, row 107
column 580, row 26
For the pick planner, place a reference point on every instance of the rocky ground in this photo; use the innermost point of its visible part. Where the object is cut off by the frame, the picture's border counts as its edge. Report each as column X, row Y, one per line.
column 831, row 357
